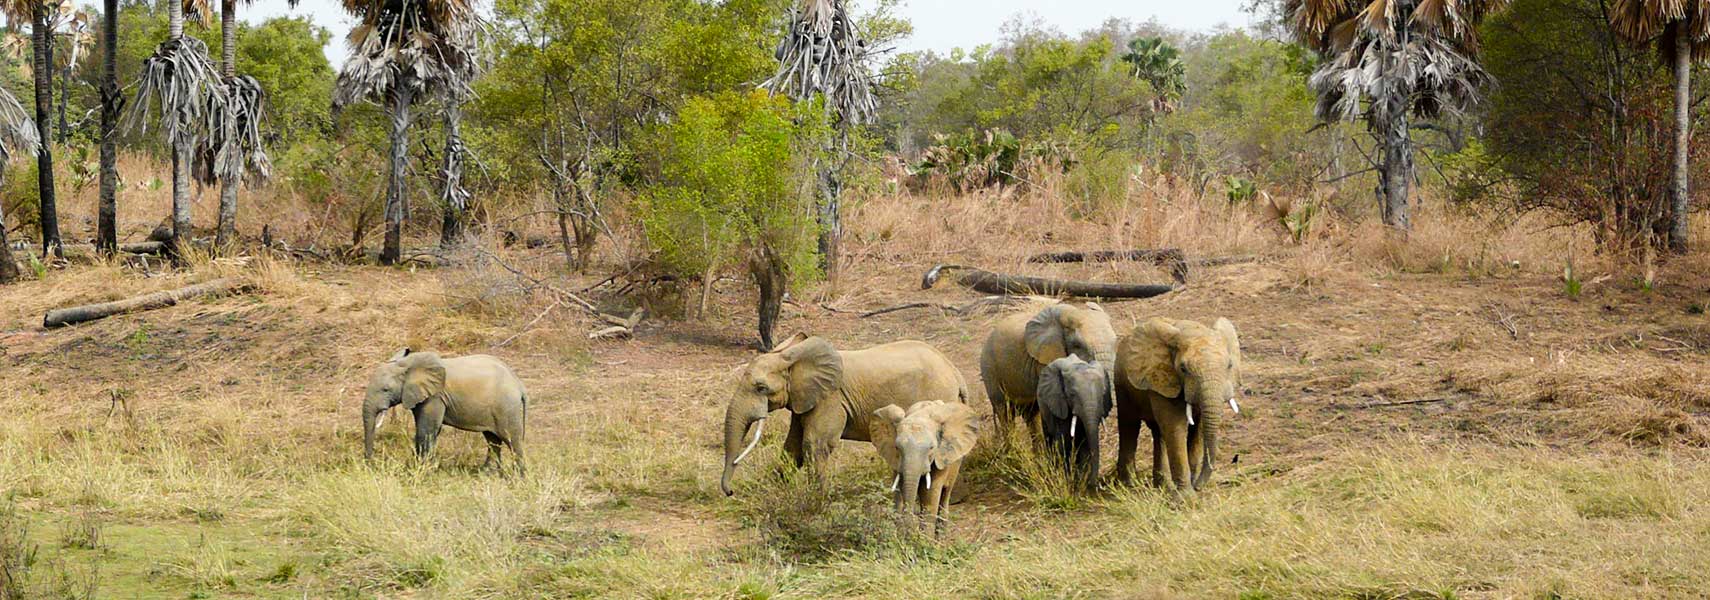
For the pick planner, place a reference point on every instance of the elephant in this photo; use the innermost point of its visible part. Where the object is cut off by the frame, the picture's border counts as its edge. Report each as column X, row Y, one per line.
column 1020, row 346
column 932, row 438
column 831, row 395
column 1172, row 377
column 1075, row 398
column 472, row 393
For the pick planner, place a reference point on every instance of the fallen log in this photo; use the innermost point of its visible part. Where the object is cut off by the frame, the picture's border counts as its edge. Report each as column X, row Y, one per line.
column 1171, row 257
column 90, row 312
column 998, row 283
column 960, row 311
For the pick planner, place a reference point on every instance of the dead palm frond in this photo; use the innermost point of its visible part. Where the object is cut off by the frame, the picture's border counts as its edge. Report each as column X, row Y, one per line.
column 1645, row 21
column 823, row 53
column 234, row 150
column 1415, row 55
column 183, row 82
column 18, row 133
column 428, row 46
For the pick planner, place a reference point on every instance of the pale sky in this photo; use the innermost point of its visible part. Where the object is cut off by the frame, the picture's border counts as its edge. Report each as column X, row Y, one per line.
column 938, row 24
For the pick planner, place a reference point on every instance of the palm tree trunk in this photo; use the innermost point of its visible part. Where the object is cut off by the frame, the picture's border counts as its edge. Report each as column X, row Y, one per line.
column 180, row 156
column 226, row 231
column 1681, row 186
column 42, row 45
column 451, row 229
column 1397, row 168
column 64, row 92
column 397, row 200
column 8, row 266
column 106, row 228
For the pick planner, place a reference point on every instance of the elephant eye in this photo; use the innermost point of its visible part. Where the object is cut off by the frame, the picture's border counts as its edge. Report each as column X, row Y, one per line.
column 760, row 388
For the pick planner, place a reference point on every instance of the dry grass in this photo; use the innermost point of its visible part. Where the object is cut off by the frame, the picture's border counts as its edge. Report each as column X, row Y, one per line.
column 1556, row 446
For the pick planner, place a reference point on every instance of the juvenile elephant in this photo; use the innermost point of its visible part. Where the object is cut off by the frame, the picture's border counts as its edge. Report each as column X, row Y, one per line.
column 1020, row 346
column 831, row 394
column 1075, row 399
column 1173, row 376
column 472, row 393
column 932, row 439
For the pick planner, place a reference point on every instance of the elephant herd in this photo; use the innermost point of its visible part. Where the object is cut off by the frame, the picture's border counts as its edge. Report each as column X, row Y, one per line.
column 1062, row 370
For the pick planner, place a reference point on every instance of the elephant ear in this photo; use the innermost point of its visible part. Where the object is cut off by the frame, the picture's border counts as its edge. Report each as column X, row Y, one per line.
column 958, row 429
column 399, row 355
column 1044, row 334
column 883, row 432
column 891, row 413
column 1053, row 391
column 424, row 377
column 1147, row 357
column 816, row 372
column 798, row 338
column 1232, row 342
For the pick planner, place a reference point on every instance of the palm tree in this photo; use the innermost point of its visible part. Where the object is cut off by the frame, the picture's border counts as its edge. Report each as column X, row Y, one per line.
column 181, row 80
column 106, row 227
column 41, row 51
column 824, row 54
column 1160, row 65
column 400, row 52
column 235, row 150
column 1388, row 60
column 17, row 134
column 1681, row 31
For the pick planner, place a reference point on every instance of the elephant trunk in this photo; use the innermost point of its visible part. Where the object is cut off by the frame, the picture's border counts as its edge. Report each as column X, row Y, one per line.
column 1210, row 419
column 369, row 414
column 736, row 422
column 1090, row 454
column 914, row 468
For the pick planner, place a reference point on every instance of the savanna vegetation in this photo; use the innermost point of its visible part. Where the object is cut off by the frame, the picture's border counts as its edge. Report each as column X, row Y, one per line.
column 1461, row 242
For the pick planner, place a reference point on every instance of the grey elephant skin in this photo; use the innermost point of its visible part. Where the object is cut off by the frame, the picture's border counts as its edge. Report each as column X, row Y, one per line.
column 831, row 394
column 1175, row 377
column 473, row 393
column 1074, row 399
column 931, row 440
column 1020, row 346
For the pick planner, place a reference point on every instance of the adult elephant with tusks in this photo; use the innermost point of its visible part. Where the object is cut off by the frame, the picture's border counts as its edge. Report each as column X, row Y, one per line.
column 831, row 394
column 474, row 393
column 1175, row 376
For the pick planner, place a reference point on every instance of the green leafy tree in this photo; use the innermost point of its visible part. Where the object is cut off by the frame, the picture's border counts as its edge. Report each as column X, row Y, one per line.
column 1159, row 64
column 735, row 173
column 565, row 102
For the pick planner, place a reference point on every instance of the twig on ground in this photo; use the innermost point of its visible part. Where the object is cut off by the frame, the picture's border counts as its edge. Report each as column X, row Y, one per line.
column 529, row 325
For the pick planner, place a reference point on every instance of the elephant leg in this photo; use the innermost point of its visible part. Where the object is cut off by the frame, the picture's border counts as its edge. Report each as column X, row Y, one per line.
column 495, row 455
column 1175, row 439
column 1002, row 414
column 933, row 499
column 515, row 441
column 430, row 416
column 793, row 441
column 1158, row 461
column 1128, row 440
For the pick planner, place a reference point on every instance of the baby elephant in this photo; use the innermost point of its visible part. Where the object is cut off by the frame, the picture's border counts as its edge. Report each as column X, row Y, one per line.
column 1074, row 396
column 932, row 438
column 472, row 393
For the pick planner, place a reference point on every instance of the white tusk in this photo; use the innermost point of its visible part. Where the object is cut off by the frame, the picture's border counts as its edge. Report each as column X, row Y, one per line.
column 929, row 480
column 757, row 429
column 1190, row 414
column 1072, row 422
column 382, row 421
column 1233, row 406
column 896, row 484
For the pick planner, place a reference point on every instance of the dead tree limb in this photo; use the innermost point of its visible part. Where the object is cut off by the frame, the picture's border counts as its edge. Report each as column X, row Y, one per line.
column 1171, row 257
column 960, row 311
column 90, row 312
column 997, row 283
